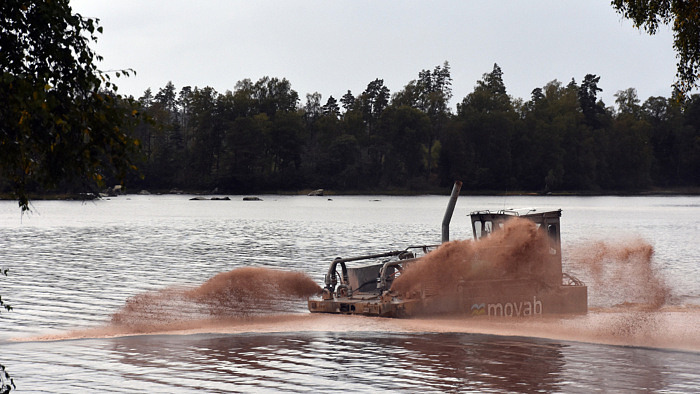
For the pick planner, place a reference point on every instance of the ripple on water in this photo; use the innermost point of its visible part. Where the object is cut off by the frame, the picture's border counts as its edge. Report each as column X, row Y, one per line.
column 74, row 265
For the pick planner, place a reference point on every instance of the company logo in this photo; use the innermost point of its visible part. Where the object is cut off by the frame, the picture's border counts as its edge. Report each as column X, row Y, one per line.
column 478, row 309
column 513, row 309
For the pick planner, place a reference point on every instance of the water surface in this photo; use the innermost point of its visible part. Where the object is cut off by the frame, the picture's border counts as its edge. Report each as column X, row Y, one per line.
column 72, row 265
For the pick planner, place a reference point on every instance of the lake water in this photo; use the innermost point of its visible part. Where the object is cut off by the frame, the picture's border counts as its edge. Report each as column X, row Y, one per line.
column 74, row 264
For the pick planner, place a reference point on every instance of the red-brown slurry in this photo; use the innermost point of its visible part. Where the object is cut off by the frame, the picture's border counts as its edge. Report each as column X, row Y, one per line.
column 622, row 279
column 519, row 250
column 621, row 273
column 239, row 293
column 627, row 308
column 254, row 283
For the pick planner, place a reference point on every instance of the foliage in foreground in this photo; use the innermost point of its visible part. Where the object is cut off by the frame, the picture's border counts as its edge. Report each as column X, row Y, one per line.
column 6, row 382
column 684, row 18
column 61, row 119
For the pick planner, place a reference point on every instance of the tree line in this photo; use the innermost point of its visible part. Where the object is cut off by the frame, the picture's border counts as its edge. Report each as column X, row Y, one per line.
column 260, row 137
column 64, row 127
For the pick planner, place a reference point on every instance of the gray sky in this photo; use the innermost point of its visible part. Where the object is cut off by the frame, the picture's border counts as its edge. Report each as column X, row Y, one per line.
column 332, row 46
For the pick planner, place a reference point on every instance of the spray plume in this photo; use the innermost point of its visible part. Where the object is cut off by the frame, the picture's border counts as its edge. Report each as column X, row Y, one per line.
column 243, row 292
column 519, row 250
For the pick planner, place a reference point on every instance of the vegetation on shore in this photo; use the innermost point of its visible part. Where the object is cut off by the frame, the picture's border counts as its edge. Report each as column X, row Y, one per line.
column 259, row 138
column 65, row 129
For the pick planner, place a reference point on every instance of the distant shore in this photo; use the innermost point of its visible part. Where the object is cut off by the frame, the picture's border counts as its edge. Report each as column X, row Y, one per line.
column 689, row 191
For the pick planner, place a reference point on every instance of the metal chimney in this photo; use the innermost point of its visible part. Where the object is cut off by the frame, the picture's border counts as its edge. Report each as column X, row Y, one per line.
column 450, row 209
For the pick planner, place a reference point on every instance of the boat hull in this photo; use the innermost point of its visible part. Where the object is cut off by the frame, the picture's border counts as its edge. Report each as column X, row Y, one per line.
column 496, row 298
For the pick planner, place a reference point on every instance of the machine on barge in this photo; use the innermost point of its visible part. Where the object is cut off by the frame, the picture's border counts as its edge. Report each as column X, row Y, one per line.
column 521, row 291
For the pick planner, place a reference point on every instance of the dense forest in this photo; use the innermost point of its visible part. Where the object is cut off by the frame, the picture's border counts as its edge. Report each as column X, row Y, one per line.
column 65, row 128
column 260, row 137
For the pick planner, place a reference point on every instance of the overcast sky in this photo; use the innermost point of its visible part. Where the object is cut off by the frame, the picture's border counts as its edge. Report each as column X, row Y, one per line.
column 334, row 46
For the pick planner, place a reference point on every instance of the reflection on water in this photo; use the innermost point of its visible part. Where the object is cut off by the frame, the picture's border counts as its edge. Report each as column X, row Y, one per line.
column 363, row 361
column 351, row 362
column 73, row 265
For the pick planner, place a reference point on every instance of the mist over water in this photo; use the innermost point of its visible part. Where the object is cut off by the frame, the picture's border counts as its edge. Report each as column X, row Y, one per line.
column 227, row 283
